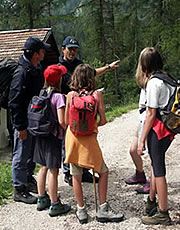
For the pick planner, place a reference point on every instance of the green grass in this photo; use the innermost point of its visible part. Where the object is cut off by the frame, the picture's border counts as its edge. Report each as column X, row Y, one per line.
column 6, row 188
column 117, row 111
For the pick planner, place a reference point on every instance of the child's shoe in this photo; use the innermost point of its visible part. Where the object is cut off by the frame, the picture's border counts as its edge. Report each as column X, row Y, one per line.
column 43, row 202
column 137, row 178
column 81, row 214
column 161, row 217
column 145, row 189
column 59, row 209
column 106, row 214
column 151, row 207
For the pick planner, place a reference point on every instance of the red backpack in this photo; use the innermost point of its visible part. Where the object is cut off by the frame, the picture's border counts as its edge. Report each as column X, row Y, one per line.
column 82, row 112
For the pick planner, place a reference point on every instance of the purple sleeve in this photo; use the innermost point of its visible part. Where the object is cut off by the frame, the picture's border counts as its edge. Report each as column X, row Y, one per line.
column 57, row 102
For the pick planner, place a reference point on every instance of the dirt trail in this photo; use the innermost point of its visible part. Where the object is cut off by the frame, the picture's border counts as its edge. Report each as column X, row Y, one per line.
column 115, row 139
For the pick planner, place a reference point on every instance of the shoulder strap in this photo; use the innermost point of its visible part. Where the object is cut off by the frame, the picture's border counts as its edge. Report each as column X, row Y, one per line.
column 167, row 78
column 47, row 93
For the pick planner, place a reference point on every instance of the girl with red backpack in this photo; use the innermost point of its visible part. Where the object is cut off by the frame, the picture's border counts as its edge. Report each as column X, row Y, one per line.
column 83, row 151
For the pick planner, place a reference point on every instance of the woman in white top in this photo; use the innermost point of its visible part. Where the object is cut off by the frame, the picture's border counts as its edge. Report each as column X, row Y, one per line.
column 158, row 136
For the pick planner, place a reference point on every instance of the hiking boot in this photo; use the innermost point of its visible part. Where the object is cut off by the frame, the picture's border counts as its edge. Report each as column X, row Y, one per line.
column 137, row 178
column 81, row 214
column 32, row 185
column 145, row 189
column 68, row 178
column 59, row 209
column 161, row 217
column 43, row 202
column 151, row 207
column 88, row 177
column 23, row 195
column 106, row 214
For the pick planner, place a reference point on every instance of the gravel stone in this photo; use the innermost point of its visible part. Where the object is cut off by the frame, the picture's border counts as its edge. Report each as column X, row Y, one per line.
column 115, row 139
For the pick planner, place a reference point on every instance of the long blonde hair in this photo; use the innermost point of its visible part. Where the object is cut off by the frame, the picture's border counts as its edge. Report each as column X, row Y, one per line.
column 149, row 62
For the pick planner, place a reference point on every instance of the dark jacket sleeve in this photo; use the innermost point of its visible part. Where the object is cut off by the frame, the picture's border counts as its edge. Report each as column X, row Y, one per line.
column 18, row 99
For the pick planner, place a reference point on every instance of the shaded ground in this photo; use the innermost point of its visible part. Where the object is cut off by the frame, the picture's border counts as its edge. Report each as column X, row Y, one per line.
column 115, row 139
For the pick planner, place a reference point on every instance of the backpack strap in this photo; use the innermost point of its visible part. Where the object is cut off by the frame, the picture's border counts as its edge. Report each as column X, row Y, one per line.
column 167, row 78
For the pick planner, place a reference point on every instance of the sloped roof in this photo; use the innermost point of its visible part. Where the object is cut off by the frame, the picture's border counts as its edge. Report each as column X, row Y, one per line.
column 12, row 42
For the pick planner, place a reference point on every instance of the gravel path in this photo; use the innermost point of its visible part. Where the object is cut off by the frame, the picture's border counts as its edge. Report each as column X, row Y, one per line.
column 115, row 139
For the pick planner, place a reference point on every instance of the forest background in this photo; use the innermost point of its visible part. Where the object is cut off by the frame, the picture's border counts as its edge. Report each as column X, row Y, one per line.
column 107, row 30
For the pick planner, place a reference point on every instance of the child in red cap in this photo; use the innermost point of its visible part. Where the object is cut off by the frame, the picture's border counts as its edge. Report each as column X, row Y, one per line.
column 48, row 149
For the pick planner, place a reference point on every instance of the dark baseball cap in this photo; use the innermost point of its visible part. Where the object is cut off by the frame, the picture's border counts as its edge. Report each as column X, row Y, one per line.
column 70, row 41
column 35, row 44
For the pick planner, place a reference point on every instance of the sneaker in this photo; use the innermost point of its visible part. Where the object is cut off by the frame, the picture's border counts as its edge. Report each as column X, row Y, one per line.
column 59, row 209
column 88, row 177
column 151, row 207
column 145, row 189
column 43, row 202
column 137, row 178
column 161, row 217
column 106, row 214
column 81, row 214
column 68, row 178
column 23, row 195
column 32, row 185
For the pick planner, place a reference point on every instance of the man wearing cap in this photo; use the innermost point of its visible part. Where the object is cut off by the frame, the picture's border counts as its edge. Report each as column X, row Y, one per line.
column 69, row 59
column 26, row 83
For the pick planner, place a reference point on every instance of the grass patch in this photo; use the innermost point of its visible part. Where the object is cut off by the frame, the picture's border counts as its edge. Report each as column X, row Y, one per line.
column 117, row 111
column 6, row 188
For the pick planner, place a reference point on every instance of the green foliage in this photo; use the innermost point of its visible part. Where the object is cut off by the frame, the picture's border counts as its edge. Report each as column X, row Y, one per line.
column 106, row 30
column 129, row 91
column 6, row 188
column 117, row 111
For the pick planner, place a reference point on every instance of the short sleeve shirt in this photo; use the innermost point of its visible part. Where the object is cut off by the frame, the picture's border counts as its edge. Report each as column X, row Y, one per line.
column 57, row 102
column 158, row 93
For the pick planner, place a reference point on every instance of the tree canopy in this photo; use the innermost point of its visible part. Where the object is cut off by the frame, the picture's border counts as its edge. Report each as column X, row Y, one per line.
column 106, row 30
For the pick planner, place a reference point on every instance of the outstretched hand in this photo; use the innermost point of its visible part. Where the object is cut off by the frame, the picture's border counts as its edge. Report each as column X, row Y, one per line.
column 114, row 64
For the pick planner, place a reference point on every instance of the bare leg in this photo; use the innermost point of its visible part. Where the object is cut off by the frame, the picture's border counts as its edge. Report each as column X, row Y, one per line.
column 152, row 186
column 77, row 187
column 102, row 187
column 53, row 184
column 161, row 186
column 135, row 157
column 41, row 180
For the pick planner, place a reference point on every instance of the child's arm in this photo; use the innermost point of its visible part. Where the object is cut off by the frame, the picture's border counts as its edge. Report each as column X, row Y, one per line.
column 60, row 113
column 67, row 109
column 101, row 110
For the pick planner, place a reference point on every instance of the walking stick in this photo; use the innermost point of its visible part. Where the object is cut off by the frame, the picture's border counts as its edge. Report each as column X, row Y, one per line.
column 94, row 182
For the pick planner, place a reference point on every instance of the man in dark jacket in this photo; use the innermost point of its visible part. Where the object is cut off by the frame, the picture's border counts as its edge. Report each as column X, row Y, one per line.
column 26, row 83
column 69, row 59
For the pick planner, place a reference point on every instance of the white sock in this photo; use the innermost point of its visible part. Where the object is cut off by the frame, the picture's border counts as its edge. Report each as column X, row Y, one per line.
column 102, row 205
column 80, row 207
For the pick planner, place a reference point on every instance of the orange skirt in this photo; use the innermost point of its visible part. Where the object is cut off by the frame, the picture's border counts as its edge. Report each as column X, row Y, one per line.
column 83, row 151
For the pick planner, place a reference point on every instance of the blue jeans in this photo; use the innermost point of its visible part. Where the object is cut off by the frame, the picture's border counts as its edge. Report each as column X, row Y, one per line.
column 22, row 162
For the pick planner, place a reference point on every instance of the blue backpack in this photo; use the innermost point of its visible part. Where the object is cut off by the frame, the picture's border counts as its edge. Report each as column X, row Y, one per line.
column 40, row 116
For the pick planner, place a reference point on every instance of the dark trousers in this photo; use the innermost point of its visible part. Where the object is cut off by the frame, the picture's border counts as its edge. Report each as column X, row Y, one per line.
column 157, row 149
column 22, row 162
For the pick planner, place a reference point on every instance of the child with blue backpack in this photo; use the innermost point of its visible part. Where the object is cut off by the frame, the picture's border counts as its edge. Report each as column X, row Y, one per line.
column 83, row 150
column 48, row 149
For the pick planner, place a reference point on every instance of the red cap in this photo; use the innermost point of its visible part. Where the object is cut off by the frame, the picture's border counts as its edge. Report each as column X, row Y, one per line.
column 53, row 73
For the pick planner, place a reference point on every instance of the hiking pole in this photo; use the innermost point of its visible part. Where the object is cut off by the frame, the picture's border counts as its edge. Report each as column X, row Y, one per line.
column 94, row 182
